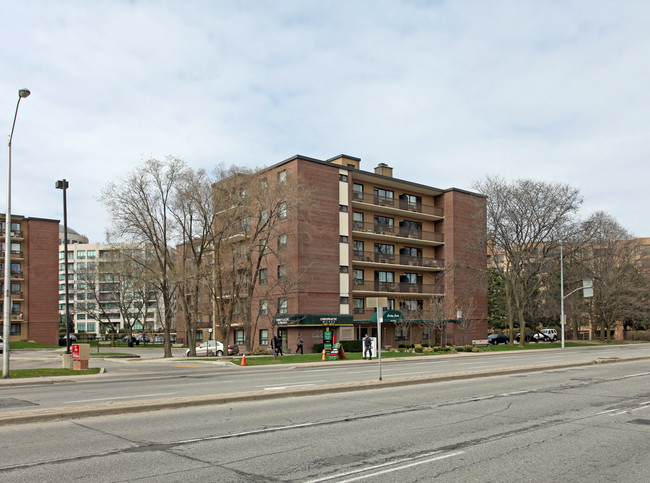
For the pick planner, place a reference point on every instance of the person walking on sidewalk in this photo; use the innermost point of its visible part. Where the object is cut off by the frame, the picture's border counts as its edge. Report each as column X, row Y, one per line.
column 367, row 347
column 300, row 343
column 276, row 344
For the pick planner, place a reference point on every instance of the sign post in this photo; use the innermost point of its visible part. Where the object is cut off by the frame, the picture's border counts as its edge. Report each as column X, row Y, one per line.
column 380, row 303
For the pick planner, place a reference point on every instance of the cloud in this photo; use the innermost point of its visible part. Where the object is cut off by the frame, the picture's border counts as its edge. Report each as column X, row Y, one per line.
column 445, row 92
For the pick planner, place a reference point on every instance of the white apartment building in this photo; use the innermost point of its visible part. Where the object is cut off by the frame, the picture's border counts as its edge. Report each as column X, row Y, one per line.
column 92, row 294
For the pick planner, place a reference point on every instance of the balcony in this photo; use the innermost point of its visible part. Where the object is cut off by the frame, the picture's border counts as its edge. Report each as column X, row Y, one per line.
column 397, row 287
column 398, row 259
column 368, row 229
column 398, row 204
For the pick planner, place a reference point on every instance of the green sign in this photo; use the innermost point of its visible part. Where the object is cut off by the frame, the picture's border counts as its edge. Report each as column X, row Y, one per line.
column 327, row 340
column 388, row 316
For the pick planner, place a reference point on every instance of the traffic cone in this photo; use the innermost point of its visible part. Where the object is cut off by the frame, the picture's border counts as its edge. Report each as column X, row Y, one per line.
column 243, row 360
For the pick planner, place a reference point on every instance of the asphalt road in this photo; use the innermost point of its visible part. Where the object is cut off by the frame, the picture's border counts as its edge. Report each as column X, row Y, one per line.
column 147, row 383
column 581, row 424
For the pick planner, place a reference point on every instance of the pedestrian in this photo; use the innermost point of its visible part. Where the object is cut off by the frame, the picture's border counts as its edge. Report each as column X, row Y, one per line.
column 300, row 343
column 367, row 347
column 276, row 344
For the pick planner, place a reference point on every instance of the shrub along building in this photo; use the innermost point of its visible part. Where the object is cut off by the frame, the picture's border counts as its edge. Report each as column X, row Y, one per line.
column 362, row 236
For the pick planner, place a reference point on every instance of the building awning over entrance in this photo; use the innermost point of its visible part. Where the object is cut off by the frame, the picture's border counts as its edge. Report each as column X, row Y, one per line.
column 313, row 320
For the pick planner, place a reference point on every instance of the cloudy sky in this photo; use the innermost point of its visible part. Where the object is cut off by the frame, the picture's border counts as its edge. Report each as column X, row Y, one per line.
column 445, row 92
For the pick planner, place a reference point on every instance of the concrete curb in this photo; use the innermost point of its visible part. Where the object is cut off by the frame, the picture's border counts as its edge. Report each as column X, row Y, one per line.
column 118, row 407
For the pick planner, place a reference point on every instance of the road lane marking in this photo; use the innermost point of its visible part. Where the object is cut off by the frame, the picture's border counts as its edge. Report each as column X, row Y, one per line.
column 275, row 388
column 118, row 397
column 399, row 466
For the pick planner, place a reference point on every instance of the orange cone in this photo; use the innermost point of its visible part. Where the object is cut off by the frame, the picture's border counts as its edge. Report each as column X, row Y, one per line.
column 243, row 360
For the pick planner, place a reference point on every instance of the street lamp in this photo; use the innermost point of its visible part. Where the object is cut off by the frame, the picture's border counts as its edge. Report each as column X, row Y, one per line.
column 62, row 184
column 7, row 295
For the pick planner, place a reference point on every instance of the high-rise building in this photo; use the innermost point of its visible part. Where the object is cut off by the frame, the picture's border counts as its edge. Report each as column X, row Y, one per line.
column 34, row 316
column 103, row 292
column 366, row 236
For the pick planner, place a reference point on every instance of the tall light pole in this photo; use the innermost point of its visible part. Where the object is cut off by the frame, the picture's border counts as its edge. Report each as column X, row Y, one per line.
column 7, row 294
column 62, row 184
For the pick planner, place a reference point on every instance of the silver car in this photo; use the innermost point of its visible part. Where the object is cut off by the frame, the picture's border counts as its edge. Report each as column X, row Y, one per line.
column 209, row 348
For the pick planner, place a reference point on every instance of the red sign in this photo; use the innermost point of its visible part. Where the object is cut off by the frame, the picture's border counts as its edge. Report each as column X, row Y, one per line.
column 75, row 351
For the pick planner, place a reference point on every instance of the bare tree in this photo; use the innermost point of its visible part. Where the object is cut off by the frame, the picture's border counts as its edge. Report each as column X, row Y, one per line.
column 620, row 290
column 434, row 317
column 526, row 220
column 192, row 209
column 254, row 207
column 115, row 289
column 139, row 206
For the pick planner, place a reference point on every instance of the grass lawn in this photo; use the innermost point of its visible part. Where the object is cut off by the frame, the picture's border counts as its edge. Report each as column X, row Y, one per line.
column 21, row 373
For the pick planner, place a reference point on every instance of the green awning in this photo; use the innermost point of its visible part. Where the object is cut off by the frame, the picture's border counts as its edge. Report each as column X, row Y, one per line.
column 313, row 320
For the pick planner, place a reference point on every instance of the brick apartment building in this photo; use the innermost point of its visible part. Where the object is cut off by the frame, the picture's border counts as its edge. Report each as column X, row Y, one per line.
column 364, row 235
column 34, row 247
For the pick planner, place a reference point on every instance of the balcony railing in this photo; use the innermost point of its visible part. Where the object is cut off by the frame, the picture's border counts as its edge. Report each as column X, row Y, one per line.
column 415, row 207
column 411, row 233
column 397, row 259
column 401, row 287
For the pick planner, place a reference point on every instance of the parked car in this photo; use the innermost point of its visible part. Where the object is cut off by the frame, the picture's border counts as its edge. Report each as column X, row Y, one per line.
column 2, row 345
column 213, row 348
column 158, row 339
column 528, row 337
column 494, row 339
column 546, row 335
column 142, row 338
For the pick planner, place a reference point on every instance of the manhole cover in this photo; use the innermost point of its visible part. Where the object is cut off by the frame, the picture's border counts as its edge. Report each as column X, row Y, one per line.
column 10, row 402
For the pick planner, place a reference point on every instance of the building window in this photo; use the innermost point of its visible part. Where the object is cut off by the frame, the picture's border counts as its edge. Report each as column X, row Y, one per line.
column 264, row 184
column 283, row 306
column 343, row 269
column 282, row 241
column 357, row 191
column 14, row 329
column 81, row 327
column 81, row 254
column 264, row 307
column 343, row 208
column 343, row 239
column 384, row 224
column 264, row 248
column 61, row 254
column 383, row 196
column 343, row 177
column 264, row 276
column 358, row 248
column 282, row 176
column 239, row 337
column 282, row 210
column 90, row 327
column 358, row 276
column 359, row 306
column 357, row 220
column 199, row 336
column 344, row 301
column 282, row 272
column 401, row 333
column 91, row 253
column 264, row 336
